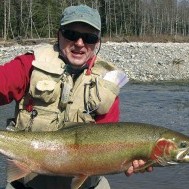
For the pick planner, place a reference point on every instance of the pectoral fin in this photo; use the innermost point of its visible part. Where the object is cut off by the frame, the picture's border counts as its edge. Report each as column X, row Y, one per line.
column 16, row 170
column 78, row 181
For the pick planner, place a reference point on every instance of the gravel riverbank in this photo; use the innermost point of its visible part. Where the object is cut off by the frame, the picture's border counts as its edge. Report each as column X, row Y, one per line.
column 141, row 61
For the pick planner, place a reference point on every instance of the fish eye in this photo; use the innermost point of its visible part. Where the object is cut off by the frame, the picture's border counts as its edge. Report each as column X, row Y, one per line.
column 183, row 144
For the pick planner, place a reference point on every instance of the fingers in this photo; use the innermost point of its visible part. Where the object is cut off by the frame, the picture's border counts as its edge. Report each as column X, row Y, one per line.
column 129, row 171
column 137, row 164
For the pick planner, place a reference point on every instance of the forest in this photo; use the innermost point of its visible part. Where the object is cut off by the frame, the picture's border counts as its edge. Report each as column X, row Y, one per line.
column 30, row 19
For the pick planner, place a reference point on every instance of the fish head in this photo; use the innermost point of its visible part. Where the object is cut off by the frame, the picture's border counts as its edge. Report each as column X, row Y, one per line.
column 172, row 148
column 182, row 151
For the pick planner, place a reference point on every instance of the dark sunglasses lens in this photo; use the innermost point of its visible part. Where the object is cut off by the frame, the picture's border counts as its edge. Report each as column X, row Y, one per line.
column 71, row 35
column 90, row 38
column 74, row 36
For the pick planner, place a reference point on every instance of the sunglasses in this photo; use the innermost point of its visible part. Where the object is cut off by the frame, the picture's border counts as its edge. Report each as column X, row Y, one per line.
column 74, row 36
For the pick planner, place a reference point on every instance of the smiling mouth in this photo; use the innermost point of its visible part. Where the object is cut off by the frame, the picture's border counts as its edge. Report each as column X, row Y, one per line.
column 77, row 52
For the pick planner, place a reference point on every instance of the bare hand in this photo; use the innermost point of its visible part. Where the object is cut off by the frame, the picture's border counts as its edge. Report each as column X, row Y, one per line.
column 137, row 164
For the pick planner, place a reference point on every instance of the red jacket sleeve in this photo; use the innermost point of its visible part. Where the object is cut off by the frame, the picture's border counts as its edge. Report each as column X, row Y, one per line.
column 112, row 115
column 14, row 78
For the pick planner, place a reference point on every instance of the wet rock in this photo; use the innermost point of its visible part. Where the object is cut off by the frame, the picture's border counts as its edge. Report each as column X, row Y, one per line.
column 141, row 61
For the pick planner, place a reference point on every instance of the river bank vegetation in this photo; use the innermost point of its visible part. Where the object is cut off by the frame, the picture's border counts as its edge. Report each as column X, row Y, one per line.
column 122, row 20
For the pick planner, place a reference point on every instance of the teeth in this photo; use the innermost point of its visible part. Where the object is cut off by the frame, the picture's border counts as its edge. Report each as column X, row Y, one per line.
column 77, row 52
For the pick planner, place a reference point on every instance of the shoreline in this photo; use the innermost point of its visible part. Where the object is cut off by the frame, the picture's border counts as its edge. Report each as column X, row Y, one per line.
column 150, row 62
column 142, row 62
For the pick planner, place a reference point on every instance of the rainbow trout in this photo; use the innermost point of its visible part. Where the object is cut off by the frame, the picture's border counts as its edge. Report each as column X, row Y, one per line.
column 91, row 149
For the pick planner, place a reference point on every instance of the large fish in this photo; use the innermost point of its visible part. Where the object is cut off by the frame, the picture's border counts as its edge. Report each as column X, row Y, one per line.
column 92, row 149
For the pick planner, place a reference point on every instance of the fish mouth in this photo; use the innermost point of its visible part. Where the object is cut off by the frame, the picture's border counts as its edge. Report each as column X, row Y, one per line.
column 183, row 156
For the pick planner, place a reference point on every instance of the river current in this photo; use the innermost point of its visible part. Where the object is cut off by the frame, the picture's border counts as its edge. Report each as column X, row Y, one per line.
column 160, row 104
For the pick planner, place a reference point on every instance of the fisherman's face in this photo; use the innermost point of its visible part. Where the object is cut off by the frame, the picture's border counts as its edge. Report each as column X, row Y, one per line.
column 78, row 49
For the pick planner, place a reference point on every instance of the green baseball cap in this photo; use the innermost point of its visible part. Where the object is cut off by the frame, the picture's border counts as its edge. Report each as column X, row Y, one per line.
column 81, row 13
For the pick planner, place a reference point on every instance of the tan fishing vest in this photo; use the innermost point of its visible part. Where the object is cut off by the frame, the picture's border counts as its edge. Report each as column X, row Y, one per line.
column 54, row 99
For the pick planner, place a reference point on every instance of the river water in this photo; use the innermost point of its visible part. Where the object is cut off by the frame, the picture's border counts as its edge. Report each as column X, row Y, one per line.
column 161, row 104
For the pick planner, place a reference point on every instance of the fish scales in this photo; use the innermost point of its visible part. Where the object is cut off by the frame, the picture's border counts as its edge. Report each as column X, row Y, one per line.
column 94, row 149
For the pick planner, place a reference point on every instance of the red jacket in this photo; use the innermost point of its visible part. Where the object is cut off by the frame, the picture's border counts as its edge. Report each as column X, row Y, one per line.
column 14, row 83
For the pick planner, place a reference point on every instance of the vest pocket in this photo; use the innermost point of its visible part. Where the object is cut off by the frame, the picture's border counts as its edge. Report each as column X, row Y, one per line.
column 40, row 120
column 45, row 86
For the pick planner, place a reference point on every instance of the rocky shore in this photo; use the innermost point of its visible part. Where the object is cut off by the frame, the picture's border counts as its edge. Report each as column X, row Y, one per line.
column 143, row 62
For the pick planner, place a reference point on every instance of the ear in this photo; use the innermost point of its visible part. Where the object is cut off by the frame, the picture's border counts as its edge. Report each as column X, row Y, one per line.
column 97, row 46
column 60, row 39
column 58, row 34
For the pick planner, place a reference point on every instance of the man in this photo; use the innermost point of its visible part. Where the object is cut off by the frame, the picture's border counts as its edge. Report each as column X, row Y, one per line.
column 61, row 84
